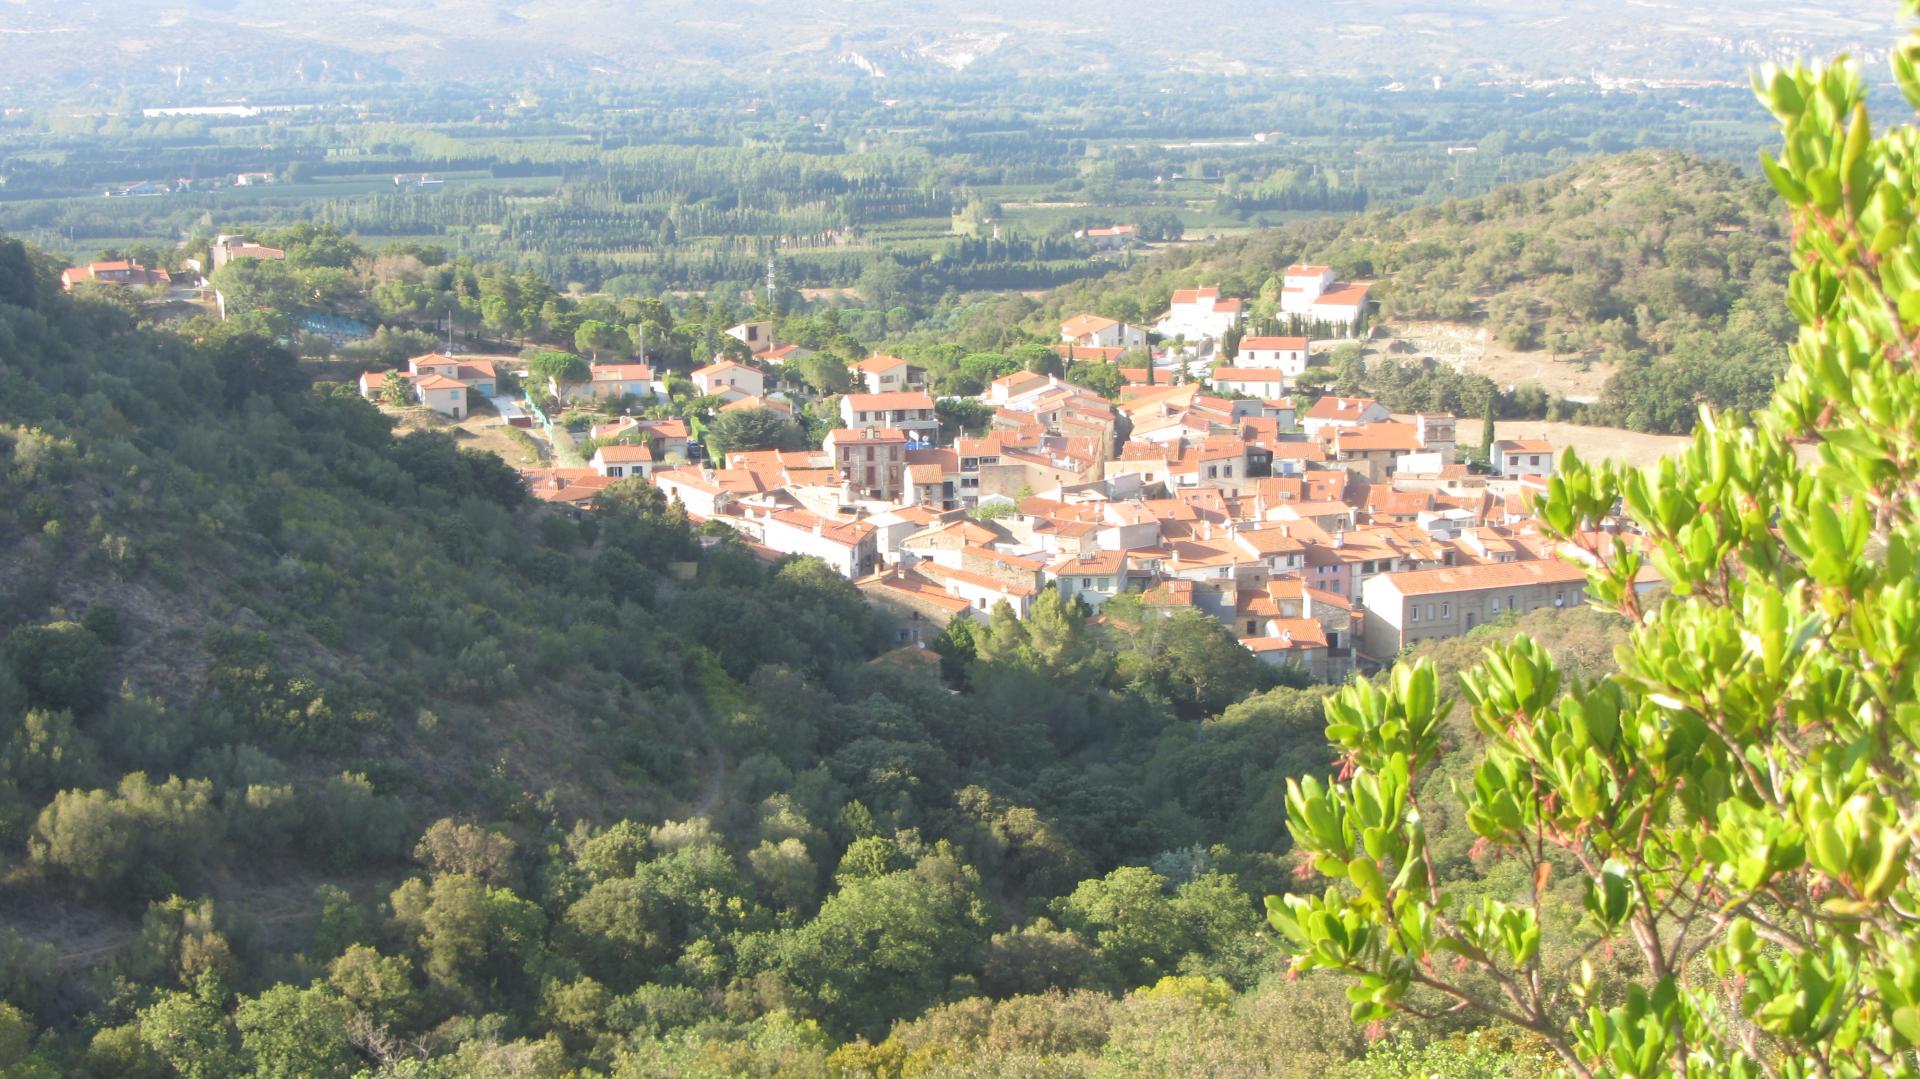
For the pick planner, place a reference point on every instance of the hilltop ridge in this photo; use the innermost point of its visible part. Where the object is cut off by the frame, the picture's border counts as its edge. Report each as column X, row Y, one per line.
column 231, row 42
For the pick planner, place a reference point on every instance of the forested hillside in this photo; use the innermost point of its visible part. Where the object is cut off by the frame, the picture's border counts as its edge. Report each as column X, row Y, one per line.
column 1668, row 269
column 322, row 751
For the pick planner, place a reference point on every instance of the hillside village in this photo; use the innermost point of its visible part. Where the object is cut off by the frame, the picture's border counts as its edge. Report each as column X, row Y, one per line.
column 1326, row 534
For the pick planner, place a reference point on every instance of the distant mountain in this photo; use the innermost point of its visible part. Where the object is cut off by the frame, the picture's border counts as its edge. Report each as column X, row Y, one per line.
column 248, row 42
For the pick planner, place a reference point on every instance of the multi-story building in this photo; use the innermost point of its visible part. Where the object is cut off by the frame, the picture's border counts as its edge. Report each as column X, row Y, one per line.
column 872, row 459
column 1404, row 608
column 901, row 410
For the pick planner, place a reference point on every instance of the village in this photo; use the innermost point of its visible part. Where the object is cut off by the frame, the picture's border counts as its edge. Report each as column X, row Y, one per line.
column 1326, row 534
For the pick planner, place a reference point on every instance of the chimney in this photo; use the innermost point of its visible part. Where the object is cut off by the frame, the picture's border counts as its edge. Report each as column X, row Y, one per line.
column 1339, row 538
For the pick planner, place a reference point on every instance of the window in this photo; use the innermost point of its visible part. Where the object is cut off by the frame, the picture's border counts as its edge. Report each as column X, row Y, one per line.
column 1446, row 610
column 1414, row 616
column 1252, row 627
column 1494, row 604
column 613, row 471
column 1086, row 582
column 1429, row 610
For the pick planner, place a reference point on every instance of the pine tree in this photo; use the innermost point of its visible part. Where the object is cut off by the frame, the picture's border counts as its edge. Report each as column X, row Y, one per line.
column 1486, row 425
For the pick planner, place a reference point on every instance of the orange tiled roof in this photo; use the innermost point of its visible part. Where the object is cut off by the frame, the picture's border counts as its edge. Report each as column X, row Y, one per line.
column 1494, row 575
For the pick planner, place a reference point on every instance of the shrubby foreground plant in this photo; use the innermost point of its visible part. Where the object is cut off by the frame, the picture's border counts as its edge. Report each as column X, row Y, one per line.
column 1741, row 798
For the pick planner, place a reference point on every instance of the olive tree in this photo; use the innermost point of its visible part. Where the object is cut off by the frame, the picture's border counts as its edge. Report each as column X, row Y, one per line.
column 1738, row 802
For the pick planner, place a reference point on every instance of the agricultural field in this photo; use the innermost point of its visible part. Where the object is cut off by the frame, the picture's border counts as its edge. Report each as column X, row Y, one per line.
column 952, row 185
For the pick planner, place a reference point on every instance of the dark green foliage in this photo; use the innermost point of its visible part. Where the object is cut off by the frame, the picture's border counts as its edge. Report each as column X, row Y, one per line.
column 888, row 945
column 23, row 283
column 1193, row 661
column 561, row 368
column 755, row 429
column 60, row 665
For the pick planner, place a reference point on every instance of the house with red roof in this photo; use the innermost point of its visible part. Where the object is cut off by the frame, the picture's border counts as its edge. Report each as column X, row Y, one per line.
column 1311, row 293
column 620, row 461
column 1332, row 411
column 696, row 489
column 1261, row 382
column 122, row 272
column 1513, row 457
column 983, row 592
column 1095, row 577
column 849, row 547
column 572, row 488
column 1199, row 314
column 447, row 396
column 901, row 410
column 1110, row 237
column 729, row 380
column 610, row 381
column 1287, row 354
column 780, row 354
column 228, row 248
column 914, row 599
column 476, row 372
column 373, row 382
column 1073, row 353
column 749, row 404
column 886, row 374
column 872, row 459
column 1098, row 331
column 1372, row 451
